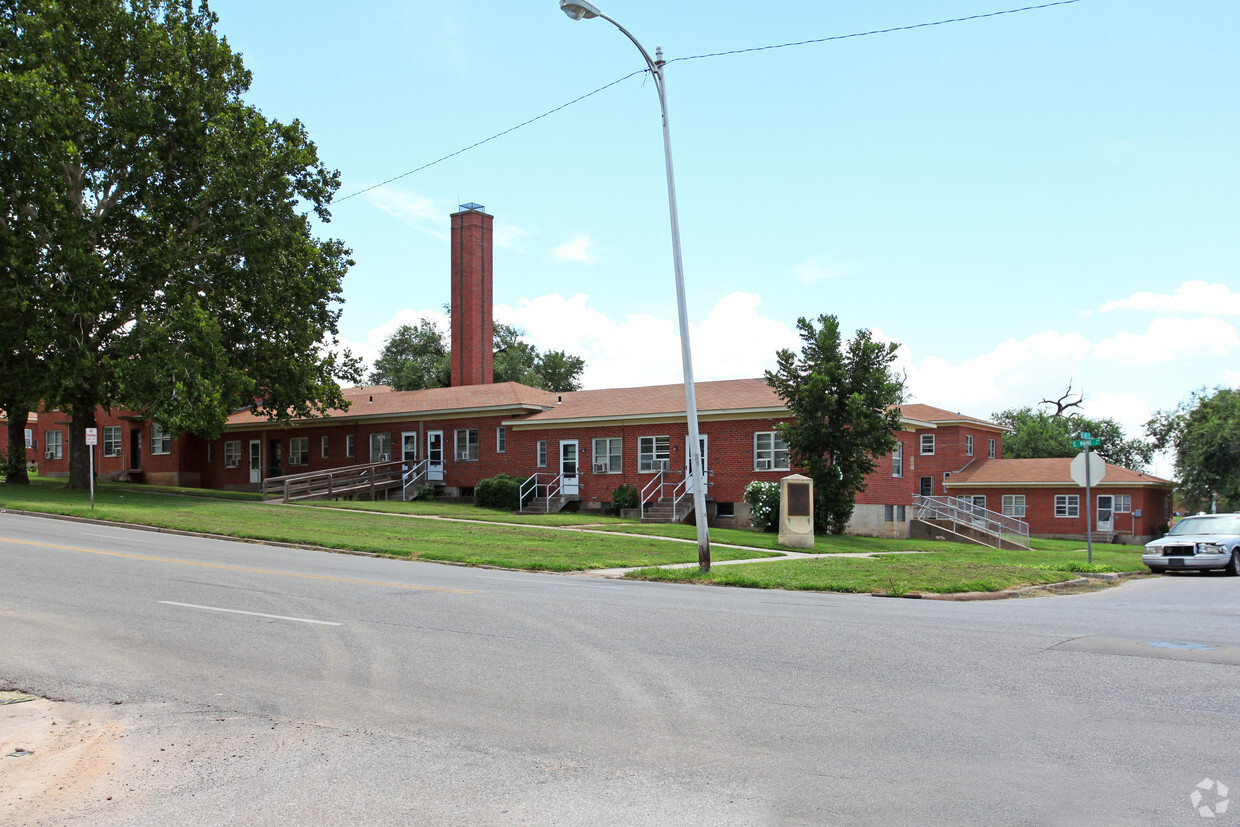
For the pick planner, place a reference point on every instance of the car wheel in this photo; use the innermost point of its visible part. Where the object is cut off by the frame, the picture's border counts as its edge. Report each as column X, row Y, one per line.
column 1233, row 566
column 1157, row 570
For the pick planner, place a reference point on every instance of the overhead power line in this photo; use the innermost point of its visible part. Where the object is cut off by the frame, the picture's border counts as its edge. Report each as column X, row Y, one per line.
column 550, row 112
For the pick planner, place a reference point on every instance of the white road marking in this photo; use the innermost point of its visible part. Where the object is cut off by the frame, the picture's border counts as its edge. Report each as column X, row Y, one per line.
column 252, row 614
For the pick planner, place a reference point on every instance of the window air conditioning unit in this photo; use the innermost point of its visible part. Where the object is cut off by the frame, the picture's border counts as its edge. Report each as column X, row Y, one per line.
column 763, row 465
column 384, row 458
column 602, row 467
column 663, row 465
column 49, row 455
column 462, row 456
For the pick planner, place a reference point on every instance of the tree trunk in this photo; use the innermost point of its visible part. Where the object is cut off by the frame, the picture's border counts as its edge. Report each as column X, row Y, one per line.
column 79, row 459
column 15, row 464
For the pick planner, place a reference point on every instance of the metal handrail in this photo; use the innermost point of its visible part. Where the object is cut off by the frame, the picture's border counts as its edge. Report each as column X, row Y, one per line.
column 676, row 498
column 959, row 511
column 415, row 472
column 656, row 483
column 351, row 478
column 552, row 487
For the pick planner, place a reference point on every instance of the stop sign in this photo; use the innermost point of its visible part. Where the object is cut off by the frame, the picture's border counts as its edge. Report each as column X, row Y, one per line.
column 1097, row 468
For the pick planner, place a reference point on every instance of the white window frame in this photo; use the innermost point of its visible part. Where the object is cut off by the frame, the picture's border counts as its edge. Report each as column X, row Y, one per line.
column 299, row 450
column 1013, row 505
column 324, row 446
column 113, row 440
column 30, row 438
column 540, row 453
column 161, row 440
column 1068, row 506
column 53, row 445
column 770, row 453
column 897, row 460
column 381, row 447
column 350, row 445
column 608, row 456
column 501, row 440
column 927, row 445
column 232, row 453
column 1123, row 504
column 968, row 445
column 465, row 444
column 654, row 454
column 990, row 448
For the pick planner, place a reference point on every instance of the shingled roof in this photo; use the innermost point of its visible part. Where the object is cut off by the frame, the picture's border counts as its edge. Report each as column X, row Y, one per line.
column 1042, row 472
column 726, row 396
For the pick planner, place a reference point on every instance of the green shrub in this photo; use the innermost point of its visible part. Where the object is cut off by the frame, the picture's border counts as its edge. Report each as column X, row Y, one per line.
column 625, row 496
column 763, row 499
column 500, row 491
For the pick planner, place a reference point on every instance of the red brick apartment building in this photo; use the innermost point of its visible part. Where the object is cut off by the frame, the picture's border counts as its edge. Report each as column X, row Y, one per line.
column 596, row 440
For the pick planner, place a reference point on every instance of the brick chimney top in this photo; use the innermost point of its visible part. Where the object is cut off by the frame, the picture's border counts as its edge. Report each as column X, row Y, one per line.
column 473, row 340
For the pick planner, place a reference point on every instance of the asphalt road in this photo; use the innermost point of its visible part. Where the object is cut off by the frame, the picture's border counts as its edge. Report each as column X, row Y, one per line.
column 267, row 685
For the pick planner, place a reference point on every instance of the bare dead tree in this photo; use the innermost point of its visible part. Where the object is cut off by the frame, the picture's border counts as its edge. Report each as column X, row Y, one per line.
column 1061, row 404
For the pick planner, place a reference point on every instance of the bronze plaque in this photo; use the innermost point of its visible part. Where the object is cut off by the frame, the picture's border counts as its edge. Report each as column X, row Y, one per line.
column 798, row 499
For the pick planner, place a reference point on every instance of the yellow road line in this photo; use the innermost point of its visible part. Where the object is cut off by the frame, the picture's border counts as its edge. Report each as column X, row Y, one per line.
column 245, row 569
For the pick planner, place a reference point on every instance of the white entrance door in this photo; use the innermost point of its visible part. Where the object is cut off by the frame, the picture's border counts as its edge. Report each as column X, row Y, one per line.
column 409, row 448
column 256, row 461
column 1106, row 513
column 434, row 455
column 568, row 466
column 688, row 459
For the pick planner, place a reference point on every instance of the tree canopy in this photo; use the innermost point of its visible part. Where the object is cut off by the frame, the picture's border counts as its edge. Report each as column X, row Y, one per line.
column 417, row 357
column 160, row 242
column 1041, row 434
column 1204, row 432
column 842, row 398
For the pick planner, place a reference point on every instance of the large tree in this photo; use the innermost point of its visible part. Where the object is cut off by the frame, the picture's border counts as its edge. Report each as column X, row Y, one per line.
column 175, row 271
column 1204, row 432
column 417, row 356
column 843, row 398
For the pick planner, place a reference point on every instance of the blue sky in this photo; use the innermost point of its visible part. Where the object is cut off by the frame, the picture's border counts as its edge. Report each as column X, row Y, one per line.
column 1023, row 201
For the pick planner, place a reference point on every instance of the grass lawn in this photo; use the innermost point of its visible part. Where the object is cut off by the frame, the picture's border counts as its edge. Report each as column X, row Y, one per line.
column 466, row 511
column 944, row 568
column 388, row 534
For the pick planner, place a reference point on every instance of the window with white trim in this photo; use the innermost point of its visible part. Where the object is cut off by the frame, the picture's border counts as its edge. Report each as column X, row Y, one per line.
column 653, row 454
column 927, row 444
column 897, row 460
column 968, row 445
column 111, row 440
column 52, row 445
column 926, row 486
column 541, row 456
column 1014, row 506
column 1123, row 503
column 1067, row 505
column 990, row 449
column 299, row 450
column 380, row 447
column 501, row 440
column 350, row 445
column 29, row 438
column 770, row 453
column 607, row 455
column 232, row 454
column 324, row 444
column 466, row 444
column 161, row 441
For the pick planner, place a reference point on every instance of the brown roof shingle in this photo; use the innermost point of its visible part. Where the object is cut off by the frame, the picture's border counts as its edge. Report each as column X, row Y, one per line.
column 1045, row 471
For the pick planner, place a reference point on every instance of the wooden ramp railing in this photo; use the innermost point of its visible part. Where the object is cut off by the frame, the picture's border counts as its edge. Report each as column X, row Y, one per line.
column 350, row 481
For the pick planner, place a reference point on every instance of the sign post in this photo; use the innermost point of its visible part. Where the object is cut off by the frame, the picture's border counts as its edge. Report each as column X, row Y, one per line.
column 92, row 439
column 1086, row 466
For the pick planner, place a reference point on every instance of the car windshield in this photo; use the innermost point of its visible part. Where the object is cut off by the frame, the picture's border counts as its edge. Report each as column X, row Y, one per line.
column 1208, row 524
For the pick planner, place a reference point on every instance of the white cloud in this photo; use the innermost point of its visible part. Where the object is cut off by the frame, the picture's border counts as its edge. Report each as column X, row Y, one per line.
column 821, row 268
column 1189, row 297
column 577, row 250
column 510, row 236
column 420, row 213
column 368, row 348
column 1231, row 378
column 1171, row 339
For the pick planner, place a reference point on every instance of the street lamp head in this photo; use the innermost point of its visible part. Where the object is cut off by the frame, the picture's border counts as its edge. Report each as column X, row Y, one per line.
column 579, row 10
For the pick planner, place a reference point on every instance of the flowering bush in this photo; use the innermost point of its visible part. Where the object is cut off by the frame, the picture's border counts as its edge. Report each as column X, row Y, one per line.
column 763, row 499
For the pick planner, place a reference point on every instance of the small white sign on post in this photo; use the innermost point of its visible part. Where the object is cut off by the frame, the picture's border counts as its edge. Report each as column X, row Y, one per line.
column 92, row 439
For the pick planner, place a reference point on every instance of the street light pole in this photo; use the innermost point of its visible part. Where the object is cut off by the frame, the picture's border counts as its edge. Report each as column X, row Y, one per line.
column 583, row 10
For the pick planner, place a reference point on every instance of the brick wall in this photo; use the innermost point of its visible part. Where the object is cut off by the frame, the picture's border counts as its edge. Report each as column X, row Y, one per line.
column 472, row 325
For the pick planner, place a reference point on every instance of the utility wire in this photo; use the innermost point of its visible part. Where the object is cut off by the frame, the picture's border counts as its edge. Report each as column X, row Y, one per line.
column 701, row 57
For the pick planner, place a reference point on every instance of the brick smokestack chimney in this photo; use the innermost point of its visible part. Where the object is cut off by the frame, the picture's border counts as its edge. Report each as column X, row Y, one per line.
column 473, row 334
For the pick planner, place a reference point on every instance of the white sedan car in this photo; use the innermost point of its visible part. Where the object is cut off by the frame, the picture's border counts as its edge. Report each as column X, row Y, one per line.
column 1205, row 541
